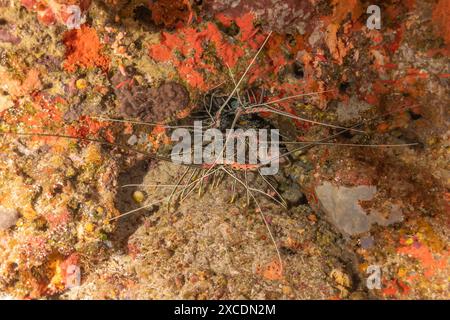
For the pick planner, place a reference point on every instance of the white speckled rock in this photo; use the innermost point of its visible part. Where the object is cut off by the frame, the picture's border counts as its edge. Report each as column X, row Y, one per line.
column 8, row 218
column 351, row 110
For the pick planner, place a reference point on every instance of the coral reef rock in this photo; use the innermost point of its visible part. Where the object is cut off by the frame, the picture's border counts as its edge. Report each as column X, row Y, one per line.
column 342, row 206
column 8, row 218
column 151, row 104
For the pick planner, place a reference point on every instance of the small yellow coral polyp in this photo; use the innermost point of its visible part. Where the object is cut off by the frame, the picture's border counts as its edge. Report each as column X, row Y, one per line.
column 28, row 213
column 57, row 280
column 81, row 84
column 89, row 227
column 93, row 154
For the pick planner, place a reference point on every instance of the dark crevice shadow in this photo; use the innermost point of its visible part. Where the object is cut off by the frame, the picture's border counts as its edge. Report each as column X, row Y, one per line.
column 124, row 202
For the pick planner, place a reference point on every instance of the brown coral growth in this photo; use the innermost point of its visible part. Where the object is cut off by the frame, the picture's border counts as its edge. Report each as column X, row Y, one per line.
column 441, row 17
column 170, row 12
column 150, row 104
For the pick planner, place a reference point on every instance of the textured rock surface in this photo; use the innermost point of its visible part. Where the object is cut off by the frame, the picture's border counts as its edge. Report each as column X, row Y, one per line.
column 149, row 104
column 342, row 205
column 278, row 15
column 8, row 218
column 392, row 84
column 351, row 110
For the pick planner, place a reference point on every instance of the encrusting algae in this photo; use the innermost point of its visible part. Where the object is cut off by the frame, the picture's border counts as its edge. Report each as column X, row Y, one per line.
column 84, row 50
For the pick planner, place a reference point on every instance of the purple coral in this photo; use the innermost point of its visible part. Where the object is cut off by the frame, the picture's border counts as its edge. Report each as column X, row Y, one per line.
column 6, row 36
